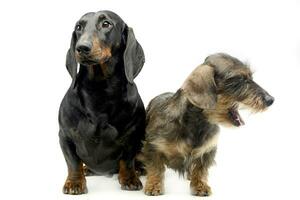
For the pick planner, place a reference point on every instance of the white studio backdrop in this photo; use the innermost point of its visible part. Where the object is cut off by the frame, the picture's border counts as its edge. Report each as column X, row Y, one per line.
column 259, row 160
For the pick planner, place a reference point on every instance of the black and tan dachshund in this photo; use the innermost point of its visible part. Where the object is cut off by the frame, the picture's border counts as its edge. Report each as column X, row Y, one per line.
column 102, row 117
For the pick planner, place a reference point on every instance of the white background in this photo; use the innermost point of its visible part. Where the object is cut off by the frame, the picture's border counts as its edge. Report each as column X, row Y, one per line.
column 259, row 160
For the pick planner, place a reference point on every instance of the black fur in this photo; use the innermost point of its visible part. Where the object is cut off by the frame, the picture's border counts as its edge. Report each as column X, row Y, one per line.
column 102, row 117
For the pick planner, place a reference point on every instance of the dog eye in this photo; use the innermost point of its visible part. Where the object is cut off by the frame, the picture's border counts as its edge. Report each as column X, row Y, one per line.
column 106, row 24
column 78, row 27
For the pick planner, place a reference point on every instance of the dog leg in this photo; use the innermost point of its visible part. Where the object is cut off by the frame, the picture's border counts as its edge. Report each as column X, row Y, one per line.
column 199, row 186
column 155, row 181
column 199, row 174
column 75, row 183
column 127, row 176
column 155, row 170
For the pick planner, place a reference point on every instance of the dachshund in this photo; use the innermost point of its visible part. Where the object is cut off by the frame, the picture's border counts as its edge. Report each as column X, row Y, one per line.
column 102, row 116
column 182, row 127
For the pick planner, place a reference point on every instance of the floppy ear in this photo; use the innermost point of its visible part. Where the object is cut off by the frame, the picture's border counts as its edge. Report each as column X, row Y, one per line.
column 133, row 57
column 71, row 62
column 200, row 87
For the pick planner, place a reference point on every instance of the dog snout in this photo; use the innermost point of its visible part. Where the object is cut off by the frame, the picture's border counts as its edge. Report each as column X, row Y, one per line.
column 84, row 48
column 269, row 100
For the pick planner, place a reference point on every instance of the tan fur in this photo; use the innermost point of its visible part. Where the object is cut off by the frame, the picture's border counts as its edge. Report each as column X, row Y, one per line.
column 254, row 103
column 206, row 147
column 155, row 182
column 128, row 178
column 201, row 81
column 76, row 182
column 198, row 178
column 170, row 149
column 199, row 187
column 100, row 51
column 220, row 113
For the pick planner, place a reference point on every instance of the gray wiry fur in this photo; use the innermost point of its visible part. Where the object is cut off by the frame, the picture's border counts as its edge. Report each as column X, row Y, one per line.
column 182, row 127
column 166, row 125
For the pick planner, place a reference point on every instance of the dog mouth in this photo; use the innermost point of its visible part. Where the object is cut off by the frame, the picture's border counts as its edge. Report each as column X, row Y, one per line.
column 90, row 60
column 235, row 117
column 85, row 60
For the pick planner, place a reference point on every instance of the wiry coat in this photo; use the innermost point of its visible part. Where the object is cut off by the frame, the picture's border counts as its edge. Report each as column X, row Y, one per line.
column 182, row 127
column 179, row 132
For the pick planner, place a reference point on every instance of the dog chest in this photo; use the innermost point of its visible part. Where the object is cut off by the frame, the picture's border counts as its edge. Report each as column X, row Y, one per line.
column 182, row 150
column 95, row 140
column 209, row 144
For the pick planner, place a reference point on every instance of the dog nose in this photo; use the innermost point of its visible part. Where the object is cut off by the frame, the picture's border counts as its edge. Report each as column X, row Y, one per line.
column 269, row 100
column 84, row 48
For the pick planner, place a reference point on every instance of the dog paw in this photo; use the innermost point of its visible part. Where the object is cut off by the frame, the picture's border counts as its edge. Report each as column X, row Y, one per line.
column 75, row 187
column 153, row 189
column 133, row 183
column 201, row 189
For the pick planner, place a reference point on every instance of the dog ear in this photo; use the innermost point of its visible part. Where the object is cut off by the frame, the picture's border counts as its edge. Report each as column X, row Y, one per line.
column 200, row 87
column 71, row 62
column 133, row 56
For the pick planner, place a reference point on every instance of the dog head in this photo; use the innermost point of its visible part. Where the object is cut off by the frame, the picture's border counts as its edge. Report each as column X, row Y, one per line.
column 100, row 39
column 220, row 85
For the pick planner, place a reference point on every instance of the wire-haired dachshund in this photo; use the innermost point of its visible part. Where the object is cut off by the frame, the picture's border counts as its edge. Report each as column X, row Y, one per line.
column 182, row 128
column 102, row 117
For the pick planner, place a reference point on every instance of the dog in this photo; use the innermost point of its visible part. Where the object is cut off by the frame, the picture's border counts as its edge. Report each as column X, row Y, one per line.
column 182, row 128
column 102, row 116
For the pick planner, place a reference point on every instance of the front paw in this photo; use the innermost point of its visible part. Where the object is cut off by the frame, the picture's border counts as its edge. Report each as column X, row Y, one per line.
column 75, row 187
column 130, row 183
column 153, row 189
column 201, row 189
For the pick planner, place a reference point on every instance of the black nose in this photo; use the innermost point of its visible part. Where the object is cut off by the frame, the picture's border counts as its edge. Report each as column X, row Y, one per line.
column 269, row 100
column 84, row 48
